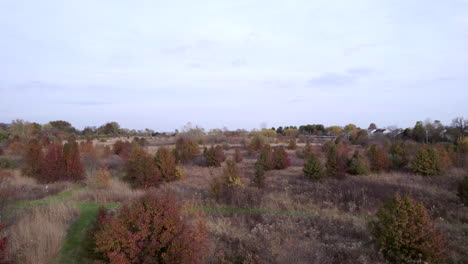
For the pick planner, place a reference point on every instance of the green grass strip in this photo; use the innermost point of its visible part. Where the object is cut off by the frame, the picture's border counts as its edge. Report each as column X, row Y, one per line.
column 49, row 199
column 73, row 250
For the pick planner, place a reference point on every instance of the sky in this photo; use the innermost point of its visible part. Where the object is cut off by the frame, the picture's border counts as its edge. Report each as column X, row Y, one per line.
column 234, row 64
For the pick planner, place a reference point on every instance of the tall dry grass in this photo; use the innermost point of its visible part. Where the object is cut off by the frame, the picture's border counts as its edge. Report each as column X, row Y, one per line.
column 116, row 192
column 37, row 234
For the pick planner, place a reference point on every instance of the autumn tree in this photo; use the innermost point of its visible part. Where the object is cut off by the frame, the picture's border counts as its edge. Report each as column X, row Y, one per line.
column 53, row 168
column 186, row 150
column 378, row 158
column 405, row 233
column 280, row 158
column 214, row 156
column 357, row 165
column 33, row 159
column 74, row 170
column 151, row 230
column 292, row 143
column 427, row 162
column 141, row 170
column 166, row 164
column 372, row 126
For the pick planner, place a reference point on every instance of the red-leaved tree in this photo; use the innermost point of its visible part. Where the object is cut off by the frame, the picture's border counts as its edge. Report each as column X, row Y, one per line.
column 74, row 170
column 53, row 167
column 33, row 159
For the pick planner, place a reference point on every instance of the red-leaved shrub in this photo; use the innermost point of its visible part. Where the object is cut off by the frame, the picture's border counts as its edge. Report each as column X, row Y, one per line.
column 141, row 170
column 53, row 168
column 122, row 148
column 150, row 230
column 281, row 158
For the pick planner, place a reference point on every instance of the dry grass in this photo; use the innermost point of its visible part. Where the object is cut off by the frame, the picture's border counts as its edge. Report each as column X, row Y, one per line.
column 37, row 234
column 116, row 192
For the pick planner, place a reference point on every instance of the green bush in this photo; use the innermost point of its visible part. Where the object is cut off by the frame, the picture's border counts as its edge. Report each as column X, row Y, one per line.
column 463, row 191
column 313, row 169
column 405, row 233
column 378, row 158
column 427, row 162
column 357, row 165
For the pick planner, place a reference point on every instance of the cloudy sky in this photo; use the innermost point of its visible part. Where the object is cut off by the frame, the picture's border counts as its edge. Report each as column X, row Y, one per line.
column 238, row 63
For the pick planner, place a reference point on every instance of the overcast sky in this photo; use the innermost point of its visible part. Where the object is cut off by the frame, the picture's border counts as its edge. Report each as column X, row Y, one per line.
column 239, row 63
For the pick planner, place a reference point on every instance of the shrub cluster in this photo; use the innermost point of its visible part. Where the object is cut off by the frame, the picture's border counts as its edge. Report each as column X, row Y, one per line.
column 61, row 163
column 214, row 156
column 150, row 230
column 122, row 148
column 405, row 233
column 427, row 162
column 186, row 150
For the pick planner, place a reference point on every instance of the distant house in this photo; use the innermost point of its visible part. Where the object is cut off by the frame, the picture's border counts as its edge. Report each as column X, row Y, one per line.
column 384, row 131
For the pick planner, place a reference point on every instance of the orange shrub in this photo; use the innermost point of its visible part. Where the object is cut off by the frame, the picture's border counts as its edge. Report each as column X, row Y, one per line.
column 103, row 178
column 122, row 148
column 150, row 230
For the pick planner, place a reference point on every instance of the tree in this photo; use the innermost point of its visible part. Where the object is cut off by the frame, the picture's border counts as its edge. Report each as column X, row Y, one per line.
column 166, row 164
column 151, row 230
column 461, row 125
column 292, row 144
column 141, row 170
column 313, row 169
column 427, row 162
column 53, row 167
column 214, row 156
column 33, row 159
column 372, row 126
column 331, row 165
column 419, row 133
column 74, row 169
column 186, row 150
column 357, row 165
column 266, row 158
column 232, row 174
column 378, row 158
column 280, row 158
column 405, row 233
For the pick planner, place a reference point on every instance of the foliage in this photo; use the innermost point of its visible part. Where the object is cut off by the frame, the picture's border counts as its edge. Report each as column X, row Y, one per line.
column 280, row 158
column 378, row 158
column 292, row 144
column 33, row 158
column 399, row 155
column 6, row 163
column 405, row 233
column 214, row 156
column 74, row 170
column 357, row 165
column 186, row 150
column 257, row 143
column 141, row 170
column 238, row 157
column 259, row 174
column 53, row 167
column 122, row 148
column 166, row 164
column 150, row 230
column 331, row 164
column 463, row 191
column 313, row 168
column 307, row 150
column 427, row 162
column 266, row 158
column 232, row 174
